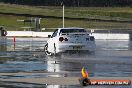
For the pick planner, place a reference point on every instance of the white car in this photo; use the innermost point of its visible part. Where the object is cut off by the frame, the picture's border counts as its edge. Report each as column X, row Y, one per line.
column 70, row 40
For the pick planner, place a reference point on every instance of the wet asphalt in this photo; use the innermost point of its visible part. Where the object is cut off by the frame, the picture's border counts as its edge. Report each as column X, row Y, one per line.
column 112, row 58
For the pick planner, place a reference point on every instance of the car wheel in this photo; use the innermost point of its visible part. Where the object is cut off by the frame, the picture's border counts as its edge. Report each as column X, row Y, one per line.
column 46, row 50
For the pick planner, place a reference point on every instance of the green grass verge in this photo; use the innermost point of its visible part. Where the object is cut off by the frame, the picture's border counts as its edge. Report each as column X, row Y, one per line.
column 13, row 25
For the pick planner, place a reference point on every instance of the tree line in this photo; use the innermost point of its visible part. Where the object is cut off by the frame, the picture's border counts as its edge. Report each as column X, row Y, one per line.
column 86, row 3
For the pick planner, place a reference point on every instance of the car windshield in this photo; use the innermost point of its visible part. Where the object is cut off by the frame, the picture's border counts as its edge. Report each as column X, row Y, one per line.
column 71, row 30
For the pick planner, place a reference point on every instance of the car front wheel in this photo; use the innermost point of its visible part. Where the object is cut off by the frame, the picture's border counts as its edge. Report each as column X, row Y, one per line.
column 46, row 50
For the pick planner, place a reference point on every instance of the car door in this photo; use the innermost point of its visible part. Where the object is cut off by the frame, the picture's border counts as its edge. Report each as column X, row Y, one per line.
column 51, row 41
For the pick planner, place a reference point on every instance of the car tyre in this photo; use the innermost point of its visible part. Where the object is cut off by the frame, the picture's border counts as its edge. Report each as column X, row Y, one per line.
column 46, row 50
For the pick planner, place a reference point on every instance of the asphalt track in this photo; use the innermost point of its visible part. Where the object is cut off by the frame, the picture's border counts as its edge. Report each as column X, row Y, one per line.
column 115, row 54
column 56, row 80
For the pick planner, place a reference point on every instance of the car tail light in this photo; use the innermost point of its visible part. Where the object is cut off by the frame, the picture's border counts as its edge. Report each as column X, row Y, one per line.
column 66, row 39
column 61, row 39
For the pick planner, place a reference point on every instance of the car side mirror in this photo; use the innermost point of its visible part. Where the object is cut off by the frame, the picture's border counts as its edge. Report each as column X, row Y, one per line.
column 49, row 36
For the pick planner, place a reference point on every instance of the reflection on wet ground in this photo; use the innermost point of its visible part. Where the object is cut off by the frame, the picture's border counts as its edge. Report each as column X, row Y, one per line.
column 112, row 58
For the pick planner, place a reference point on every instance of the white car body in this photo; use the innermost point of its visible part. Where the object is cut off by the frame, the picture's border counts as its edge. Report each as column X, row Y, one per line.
column 70, row 39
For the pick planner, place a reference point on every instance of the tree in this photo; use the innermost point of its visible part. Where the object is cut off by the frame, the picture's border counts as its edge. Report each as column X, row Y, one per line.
column 71, row 2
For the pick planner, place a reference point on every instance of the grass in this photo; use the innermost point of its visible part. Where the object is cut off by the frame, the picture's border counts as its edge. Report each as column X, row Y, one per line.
column 123, row 12
column 12, row 24
column 102, row 13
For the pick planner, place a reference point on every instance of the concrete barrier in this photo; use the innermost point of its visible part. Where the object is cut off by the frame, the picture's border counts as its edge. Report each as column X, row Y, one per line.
column 45, row 34
column 28, row 33
column 110, row 36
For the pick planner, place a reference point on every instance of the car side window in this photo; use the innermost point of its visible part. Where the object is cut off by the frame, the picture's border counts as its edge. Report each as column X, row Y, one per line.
column 55, row 33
